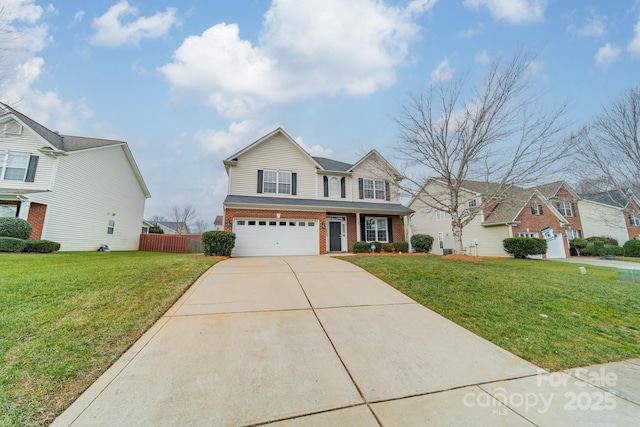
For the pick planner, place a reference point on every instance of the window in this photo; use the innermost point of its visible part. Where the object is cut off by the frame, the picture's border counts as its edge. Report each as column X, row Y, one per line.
column 13, row 166
column 240, row 222
column 441, row 240
column 536, row 210
column 573, row 234
column 111, row 226
column 334, row 187
column 438, row 215
column 276, row 182
column 565, row 208
column 272, row 223
column 374, row 189
column 376, row 230
column 634, row 220
column 262, row 222
column 311, row 224
column 527, row 234
column 8, row 210
column 472, row 203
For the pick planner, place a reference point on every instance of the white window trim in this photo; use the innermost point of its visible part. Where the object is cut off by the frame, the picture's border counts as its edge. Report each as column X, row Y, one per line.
column 376, row 230
column 111, row 226
column 374, row 188
column 441, row 240
column 532, row 234
column 565, row 207
column 472, row 203
column 634, row 220
column 334, row 187
column 4, row 160
column 278, row 182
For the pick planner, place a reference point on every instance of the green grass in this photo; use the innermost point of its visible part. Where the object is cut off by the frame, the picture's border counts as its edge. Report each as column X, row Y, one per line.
column 545, row 312
column 66, row 317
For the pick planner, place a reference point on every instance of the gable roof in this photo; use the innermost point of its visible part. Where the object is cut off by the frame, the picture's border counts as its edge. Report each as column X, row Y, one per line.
column 615, row 198
column 551, row 189
column 332, row 165
column 68, row 143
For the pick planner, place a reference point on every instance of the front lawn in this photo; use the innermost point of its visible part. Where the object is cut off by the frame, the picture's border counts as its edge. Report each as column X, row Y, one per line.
column 545, row 312
column 66, row 317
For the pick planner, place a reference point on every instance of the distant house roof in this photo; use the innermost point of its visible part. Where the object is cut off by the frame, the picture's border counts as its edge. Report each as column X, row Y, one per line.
column 173, row 226
column 218, row 220
column 615, row 198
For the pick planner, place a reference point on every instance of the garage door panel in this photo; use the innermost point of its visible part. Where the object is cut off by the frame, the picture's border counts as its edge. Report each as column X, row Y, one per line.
column 260, row 237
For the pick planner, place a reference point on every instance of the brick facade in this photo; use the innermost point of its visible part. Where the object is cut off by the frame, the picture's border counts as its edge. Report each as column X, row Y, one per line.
column 529, row 222
column 632, row 230
column 36, row 217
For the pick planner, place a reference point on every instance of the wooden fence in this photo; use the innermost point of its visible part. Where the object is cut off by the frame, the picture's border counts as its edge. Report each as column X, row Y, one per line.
column 174, row 243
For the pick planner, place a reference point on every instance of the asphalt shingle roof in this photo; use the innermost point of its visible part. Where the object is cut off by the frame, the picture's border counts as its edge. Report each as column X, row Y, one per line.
column 332, row 165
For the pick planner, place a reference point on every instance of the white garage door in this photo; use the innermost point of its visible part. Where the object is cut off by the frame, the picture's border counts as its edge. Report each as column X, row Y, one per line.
column 555, row 247
column 268, row 237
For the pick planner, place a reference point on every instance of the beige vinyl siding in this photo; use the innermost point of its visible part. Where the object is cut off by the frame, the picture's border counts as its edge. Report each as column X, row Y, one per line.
column 276, row 154
column 347, row 183
column 91, row 186
column 602, row 220
column 28, row 143
column 369, row 169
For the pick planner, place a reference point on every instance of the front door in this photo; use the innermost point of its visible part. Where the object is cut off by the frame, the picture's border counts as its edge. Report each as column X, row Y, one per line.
column 335, row 237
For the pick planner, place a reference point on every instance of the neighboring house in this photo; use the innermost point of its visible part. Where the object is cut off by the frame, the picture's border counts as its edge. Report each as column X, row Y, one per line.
column 80, row 192
column 283, row 201
column 218, row 223
column 173, row 227
column 519, row 211
column 612, row 214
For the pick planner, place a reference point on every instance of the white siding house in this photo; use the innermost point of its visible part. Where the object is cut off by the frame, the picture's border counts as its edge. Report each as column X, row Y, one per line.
column 79, row 192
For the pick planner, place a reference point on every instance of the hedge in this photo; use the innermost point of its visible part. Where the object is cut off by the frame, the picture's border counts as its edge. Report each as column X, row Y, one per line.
column 360, row 247
column 41, row 246
column 522, row 247
column 401, row 246
column 388, row 247
column 422, row 242
column 632, row 248
column 12, row 244
column 219, row 243
column 613, row 250
column 15, row 227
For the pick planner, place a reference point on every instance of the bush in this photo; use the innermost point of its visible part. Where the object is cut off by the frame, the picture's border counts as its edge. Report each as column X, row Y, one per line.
column 388, row 247
column 378, row 246
column 422, row 242
column 156, row 229
column 11, row 244
column 521, row 247
column 360, row 247
column 613, row 250
column 218, row 243
column 632, row 248
column 579, row 245
column 401, row 246
column 41, row 246
column 598, row 247
column 15, row 227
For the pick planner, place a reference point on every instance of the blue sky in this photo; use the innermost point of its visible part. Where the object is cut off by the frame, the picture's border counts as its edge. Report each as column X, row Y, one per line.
column 189, row 83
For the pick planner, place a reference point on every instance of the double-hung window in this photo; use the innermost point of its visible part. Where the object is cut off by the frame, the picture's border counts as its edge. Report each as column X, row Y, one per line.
column 565, row 208
column 634, row 220
column 277, row 182
column 376, row 229
column 13, row 166
column 374, row 189
column 536, row 210
column 334, row 187
column 472, row 203
column 111, row 226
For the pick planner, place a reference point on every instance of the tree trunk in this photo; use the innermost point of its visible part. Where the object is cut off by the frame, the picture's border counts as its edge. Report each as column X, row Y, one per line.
column 456, row 229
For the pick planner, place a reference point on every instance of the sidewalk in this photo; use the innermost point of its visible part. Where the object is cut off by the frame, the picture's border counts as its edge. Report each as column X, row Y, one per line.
column 301, row 341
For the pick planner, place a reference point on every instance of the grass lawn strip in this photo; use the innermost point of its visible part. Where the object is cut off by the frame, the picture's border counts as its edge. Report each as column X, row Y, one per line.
column 66, row 317
column 546, row 313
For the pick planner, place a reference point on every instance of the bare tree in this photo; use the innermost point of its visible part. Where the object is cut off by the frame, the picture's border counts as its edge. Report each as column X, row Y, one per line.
column 200, row 226
column 494, row 133
column 182, row 216
column 610, row 146
column 157, row 218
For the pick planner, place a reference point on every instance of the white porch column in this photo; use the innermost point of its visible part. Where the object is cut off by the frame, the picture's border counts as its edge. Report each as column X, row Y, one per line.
column 25, row 205
column 358, row 229
column 408, row 231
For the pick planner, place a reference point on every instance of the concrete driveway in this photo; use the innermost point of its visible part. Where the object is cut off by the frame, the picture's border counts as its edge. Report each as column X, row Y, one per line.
column 316, row 341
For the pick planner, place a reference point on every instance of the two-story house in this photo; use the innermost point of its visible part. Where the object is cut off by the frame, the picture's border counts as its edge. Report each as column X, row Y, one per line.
column 80, row 192
column 283, row 201
column 611, row 213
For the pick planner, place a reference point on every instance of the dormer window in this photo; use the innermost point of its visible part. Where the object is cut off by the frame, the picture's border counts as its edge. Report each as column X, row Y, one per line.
column 334, row 187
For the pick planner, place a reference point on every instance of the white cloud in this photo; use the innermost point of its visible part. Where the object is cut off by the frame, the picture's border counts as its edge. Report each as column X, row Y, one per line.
column 471, row 32
column 306, row 49
column 594, row 27
column 239, row 134
column 512, row 11
column 442, row 73
column 315, row 150
column 482, row 58
column 77, row 17
column 606, row 55
column 634, row 44
column 113, row 31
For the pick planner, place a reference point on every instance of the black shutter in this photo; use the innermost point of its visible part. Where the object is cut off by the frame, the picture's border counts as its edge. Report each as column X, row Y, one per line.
column 326, row 187
column 361, row 189
column 540, row 210
column 386, row 190
column 343, row 188
column 294, row 183
column 574, row 211
column 259, row 180
column 390, row 229
column 363, row 235
column 533, row 210
column 31, row 169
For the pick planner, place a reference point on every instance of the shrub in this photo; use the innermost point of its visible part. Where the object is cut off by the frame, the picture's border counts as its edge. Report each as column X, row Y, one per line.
column 579, row 245
column 388, row 247
column 15, row 227
column 632, row 248
column 218, row 242
column 594, row 239
column 378, row 246
column 11, row 244
column 422, row 242
column 588, row 250
column 521, row 247
column 401, row 246
column 41, row 246
column 613, row 250
column 156, row 229
column 598, row 247
column 360, row 247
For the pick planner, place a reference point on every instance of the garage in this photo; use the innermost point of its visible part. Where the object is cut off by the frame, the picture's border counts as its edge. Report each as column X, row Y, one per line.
column 269, row 237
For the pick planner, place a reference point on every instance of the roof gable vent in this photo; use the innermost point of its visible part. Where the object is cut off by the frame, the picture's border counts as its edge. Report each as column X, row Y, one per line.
column 13, row 128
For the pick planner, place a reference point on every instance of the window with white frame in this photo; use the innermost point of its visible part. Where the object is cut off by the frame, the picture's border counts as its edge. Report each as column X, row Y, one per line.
column 438, row 215
column 277, row 182
column 334, row 187
column 472, row 203
column 13, row 166
column 536, row 210
column 527, row 234
column 565, row 208
column 634, row 220
column 573, row 234
column 8, row 210
column 441, row 240
column 111, row 226
column 376, row 229
column 374, row 189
